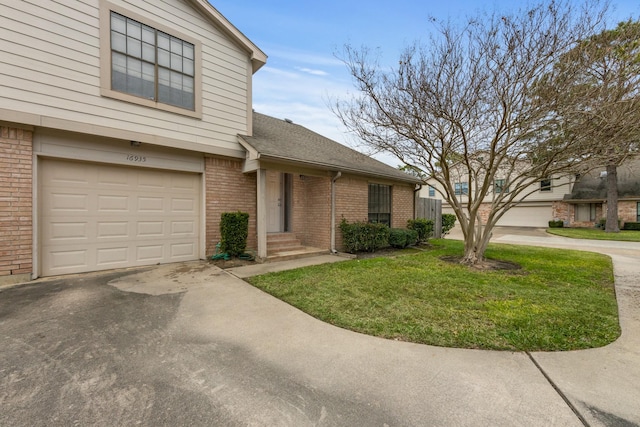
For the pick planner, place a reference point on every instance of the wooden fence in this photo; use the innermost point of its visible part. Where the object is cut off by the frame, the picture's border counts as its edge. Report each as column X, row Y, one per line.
column 430, row 209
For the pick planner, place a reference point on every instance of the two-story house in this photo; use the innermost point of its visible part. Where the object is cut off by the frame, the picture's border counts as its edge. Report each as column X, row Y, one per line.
column 577, row 200
column 126, row 129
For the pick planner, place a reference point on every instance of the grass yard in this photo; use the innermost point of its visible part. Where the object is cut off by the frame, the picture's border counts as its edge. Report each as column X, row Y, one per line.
column 596, row 234
column 559, row 300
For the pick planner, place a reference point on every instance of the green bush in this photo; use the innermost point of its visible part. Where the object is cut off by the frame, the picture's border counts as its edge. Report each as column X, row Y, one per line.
column 448, row 221
column 364, row 236
column 398, row 237
column 412, row 237
column 557, row 223
column 631, row 226
column 424, row 228
column 234, row 229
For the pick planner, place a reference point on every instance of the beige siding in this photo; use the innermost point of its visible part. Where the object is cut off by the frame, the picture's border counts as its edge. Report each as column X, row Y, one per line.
column 50, row 72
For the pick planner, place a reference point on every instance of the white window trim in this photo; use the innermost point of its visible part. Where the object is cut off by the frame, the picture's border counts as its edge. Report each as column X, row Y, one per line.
column 105, row 62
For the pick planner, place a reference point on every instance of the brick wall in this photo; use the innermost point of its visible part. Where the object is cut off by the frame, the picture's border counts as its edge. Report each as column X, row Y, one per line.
column 352, row 203
column 628, row 211
column 402, row 205
column 228, row 190
column 16, row 190
column 312, row 210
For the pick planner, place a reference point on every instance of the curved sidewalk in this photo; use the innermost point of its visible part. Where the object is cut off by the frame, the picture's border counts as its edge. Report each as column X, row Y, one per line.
column 425, row 385
column 604, row 383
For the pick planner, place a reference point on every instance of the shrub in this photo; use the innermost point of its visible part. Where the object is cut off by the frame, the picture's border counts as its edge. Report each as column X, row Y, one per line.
column 556, row 223
column 234, row 229
column 448, row 221
column 424, row 228
column 631, row 226
column 412, row 237
column 397, row 237
column 364, row 236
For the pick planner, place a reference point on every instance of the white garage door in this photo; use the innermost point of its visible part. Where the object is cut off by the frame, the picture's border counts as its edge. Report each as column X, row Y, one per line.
column 96, row 217
column 527, row 216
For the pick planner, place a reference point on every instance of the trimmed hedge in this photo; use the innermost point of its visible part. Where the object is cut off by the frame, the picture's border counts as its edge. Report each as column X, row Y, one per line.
column 401, row 237
column 234, row 229
column 448, row 221
column 424, row 228
column 364, row 236
column 631, row 226
column 556, row 223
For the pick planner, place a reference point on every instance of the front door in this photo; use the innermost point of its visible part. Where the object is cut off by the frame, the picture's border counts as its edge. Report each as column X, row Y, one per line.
column 275, row 217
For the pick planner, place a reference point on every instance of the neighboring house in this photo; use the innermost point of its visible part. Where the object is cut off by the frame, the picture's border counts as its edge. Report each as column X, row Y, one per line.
column 578, row 201
column 587, row 203
column 126, row 129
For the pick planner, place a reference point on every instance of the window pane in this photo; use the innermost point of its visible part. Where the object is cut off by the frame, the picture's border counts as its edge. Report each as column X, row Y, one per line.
column 164, row 58
column 134, row 29
column 163, row 41
column 118, row 72
column 118, row 42
column 134, row 47
column 149, row 52
column 118, row 23
column 176, row 62
column 148, row 35
column 188, row 51
column 188, row 67
column 176, row 46
column 148, row 80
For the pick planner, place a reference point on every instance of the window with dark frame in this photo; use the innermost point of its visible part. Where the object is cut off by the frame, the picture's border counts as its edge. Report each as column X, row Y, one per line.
column 151, row 64
column 545, row 184
column 380, row 204
column 461, row 188
column 500, row 186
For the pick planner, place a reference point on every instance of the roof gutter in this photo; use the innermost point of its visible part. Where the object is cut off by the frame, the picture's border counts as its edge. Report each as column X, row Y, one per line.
column 333, row 211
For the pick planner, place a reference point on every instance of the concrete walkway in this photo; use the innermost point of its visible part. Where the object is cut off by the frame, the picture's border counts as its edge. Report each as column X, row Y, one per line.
column 602, row 384
column 190, row 344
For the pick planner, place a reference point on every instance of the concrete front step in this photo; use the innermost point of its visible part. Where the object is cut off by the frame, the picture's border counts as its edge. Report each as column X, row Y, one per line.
column 301, row 252
column 283, row 242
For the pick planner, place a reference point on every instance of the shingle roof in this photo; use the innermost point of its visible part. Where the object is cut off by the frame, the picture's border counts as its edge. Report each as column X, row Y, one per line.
column 280, row 140
column 591, row 186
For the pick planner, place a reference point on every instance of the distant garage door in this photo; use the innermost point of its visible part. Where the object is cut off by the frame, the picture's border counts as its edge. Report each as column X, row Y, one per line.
column 527, row 216
column 96, row 216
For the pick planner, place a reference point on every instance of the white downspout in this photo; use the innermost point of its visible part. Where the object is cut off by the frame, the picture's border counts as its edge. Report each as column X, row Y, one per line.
column 333, row 211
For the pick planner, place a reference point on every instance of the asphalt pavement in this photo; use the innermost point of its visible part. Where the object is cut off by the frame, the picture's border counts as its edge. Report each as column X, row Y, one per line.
column 190, row 344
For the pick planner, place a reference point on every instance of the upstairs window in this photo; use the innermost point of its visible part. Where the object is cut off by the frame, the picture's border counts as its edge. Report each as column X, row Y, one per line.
column 545, row 184
column 432, row 192
column 461, row 188
column 380, row 204
column 148, row 63
column 500, row 186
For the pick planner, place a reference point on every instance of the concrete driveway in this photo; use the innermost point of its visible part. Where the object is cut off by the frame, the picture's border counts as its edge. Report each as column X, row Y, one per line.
column 189, row 344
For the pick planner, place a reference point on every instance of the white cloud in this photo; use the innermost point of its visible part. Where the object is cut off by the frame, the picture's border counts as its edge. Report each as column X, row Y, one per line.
column 313, row 72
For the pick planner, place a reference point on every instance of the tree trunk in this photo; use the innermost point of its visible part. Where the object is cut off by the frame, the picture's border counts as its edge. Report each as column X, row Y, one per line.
column 612, row 225
column 475, row 244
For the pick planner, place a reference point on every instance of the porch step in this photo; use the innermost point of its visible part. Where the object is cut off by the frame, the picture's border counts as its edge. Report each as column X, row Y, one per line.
column 303, row 252
column 287, row 246
column 282, row 242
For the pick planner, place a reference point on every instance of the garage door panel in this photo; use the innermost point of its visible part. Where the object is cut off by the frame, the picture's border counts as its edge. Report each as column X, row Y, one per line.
column 115, row 216
column 111, row 256
column 526, row 216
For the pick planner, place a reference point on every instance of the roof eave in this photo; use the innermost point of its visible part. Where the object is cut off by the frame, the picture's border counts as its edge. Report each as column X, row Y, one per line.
column 258, row 57
column 332, row 167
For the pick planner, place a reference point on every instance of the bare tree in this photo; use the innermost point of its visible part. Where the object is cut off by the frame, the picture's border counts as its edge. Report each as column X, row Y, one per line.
column 595, row 92
column 464, row 106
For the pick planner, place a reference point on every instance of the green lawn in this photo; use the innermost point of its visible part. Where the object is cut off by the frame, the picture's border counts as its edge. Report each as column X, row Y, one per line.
column 559, row 300
column 596, row 234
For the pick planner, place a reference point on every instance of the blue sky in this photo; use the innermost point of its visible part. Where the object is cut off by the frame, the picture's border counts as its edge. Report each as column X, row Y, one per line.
column 303, row 75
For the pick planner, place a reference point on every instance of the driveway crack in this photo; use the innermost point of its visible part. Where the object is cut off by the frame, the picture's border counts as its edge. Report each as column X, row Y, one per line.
column 560, row 392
